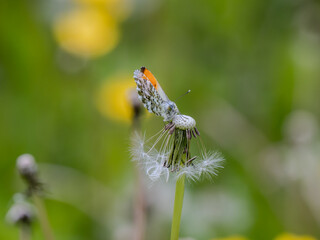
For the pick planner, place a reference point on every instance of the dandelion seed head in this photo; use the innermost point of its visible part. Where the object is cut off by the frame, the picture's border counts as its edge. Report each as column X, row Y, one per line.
column 184, row 122
column 21, row 212
column 26, row 165
column 28, row 170
column 154, row 162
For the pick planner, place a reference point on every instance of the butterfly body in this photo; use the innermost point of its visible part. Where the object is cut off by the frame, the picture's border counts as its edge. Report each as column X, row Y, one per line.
column 152, row 96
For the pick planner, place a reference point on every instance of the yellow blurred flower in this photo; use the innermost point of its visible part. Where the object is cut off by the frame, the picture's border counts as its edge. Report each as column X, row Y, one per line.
column 231, row 238
column 87, row 32
column 289, row 236
column 119, row 9
column 116, row 97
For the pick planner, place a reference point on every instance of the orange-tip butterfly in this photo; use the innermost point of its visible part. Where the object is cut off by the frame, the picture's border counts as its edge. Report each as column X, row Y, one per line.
column 152, row 96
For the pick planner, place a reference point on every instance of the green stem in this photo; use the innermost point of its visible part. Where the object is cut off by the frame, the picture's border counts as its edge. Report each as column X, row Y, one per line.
column 25, row 232
column 139, row 209
column 177, row 209
column 43, row 218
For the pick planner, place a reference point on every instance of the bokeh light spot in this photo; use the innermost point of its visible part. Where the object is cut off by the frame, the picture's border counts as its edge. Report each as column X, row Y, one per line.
column 87, row 32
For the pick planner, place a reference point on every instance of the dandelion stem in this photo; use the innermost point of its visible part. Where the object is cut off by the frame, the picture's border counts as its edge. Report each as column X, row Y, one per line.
column 139, row 209
column 43, row 218
column 25, row 232
column 177, row 209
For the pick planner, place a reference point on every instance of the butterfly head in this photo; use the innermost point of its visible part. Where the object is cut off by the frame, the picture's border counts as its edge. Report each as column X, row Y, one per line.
column 170, row 110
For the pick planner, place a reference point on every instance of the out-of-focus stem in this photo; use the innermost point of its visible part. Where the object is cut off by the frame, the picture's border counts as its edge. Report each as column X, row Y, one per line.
column 43, row 218
column 177, row 209
column 25, row 232
column 139, row 198
column 139, row 208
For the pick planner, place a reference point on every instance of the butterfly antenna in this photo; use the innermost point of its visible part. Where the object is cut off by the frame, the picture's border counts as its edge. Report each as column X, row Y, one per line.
column 182, row 95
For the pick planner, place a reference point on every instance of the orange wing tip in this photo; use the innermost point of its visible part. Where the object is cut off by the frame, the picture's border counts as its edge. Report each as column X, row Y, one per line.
column 149, row 76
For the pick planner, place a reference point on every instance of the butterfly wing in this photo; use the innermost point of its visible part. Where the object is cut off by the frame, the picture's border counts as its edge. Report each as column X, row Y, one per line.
column 152, row 96
column 147, row 90
column 149, row 76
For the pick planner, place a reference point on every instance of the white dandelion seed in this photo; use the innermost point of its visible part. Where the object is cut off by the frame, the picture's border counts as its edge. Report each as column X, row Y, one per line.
column 170, row 152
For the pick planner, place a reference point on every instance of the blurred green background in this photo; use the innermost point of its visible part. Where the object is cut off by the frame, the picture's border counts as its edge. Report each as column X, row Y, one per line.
column 253, row 70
